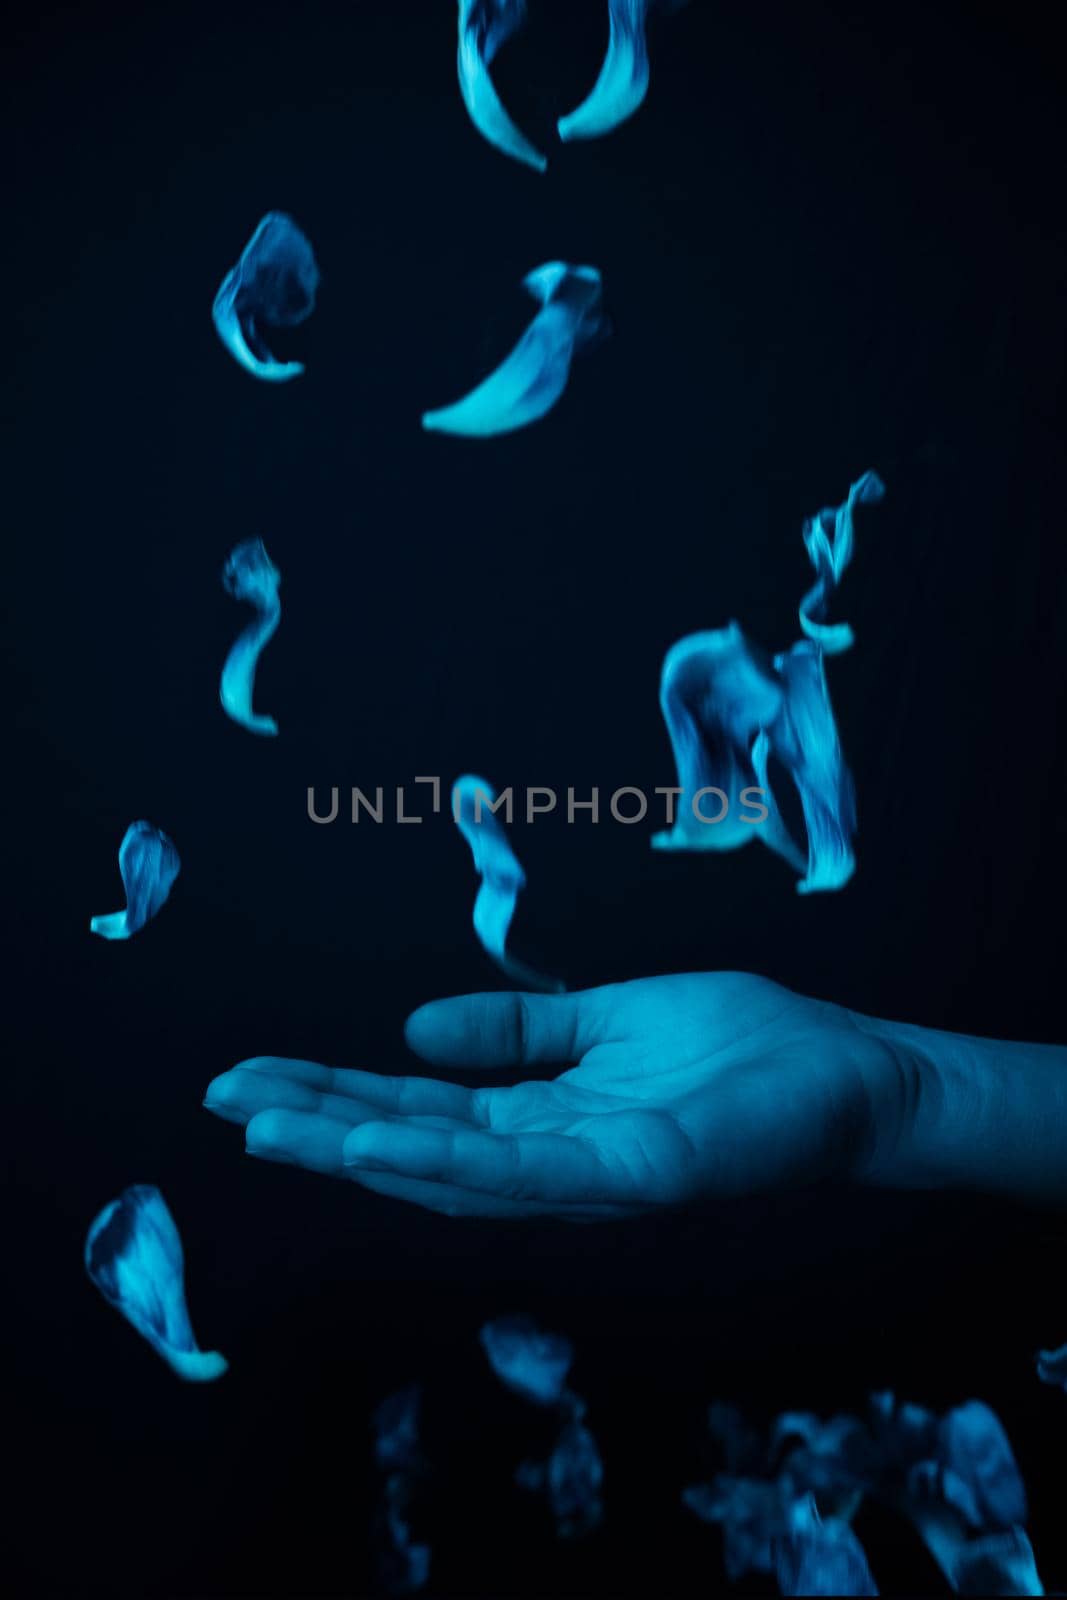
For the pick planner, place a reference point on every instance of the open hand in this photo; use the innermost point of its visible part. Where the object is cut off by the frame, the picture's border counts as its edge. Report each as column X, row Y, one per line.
column 706, row 1083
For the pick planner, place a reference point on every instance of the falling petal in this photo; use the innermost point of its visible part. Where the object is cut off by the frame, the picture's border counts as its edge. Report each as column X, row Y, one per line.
column 999, row 1564
column 623, row 81
column 485, row 25
column 533, row 1363
column 531, row 379
column 820, row 1557
column 149, row 864
column 274, row 283
column 571, row 1478
column 753, row 1515
column 716, row 693
column 828, row 538
column 134, row 1256
column 249, row 575
column 729, row 711
column 501, row 875
column 396, row 1430
column 974, row 1448
column 1052, row 1366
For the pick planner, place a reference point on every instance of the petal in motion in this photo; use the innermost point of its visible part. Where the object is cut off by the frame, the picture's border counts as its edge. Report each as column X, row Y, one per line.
column 403, row 1566
column 623, row 81
column 730, row 709
column 529, row 1361
column 134, row 1256
column 502, row 878
column 817, row 1557
column 273, row 284
column 531, row 379
column 1052, row 1366
column 998, row 1563
column 249, row 575
column 571, row 1479
column 485, row 25
column 149, row 864
column 828, row 538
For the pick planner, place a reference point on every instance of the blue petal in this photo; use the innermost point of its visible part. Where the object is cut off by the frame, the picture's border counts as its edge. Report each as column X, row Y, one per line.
column 485, row 25
column 134, row 1256
column 998, row 1564
column 533, row 1363
column 574, row 1479
column 828, row 537
column 816, row 1557
column 502, row 877
column 529, row 381
column 396, row 1430
column 974, row 1447
column 1052, row 1366
column 149, row 864
column 249, row 575
column 274, row 283
column 623, row 81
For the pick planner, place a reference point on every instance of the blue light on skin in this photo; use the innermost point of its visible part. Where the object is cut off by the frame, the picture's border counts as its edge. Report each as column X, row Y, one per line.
column 149, row 864
column 502, row 879
column 530, row 380
column 484, row 26
column 250, row 575
column 531, row 1362
column 133, row 1254
column 729, row 710
column 273, row 285
column 623, row 81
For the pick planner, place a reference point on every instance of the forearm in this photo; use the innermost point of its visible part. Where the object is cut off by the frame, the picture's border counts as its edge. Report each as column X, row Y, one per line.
column 987, row 1114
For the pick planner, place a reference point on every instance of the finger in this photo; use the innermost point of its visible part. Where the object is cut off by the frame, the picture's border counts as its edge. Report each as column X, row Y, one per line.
column 443, row 1198
column 426, row 1097
column 545, row 1167
column 239, row 1095
column 506, row 1030
column 449, row 1201
column 299, row 1139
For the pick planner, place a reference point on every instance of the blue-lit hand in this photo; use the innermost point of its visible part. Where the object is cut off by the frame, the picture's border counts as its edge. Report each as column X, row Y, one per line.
column 715, row 1083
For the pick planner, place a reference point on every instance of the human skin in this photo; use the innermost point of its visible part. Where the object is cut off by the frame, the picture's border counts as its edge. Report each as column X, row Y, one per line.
column 673, row 1089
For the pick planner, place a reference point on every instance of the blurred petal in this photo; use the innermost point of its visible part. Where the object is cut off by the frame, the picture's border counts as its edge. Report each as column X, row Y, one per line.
column 251, row 576
column 1052, row 1366
column 999, row 1564
column 274, row 283
column 623, row 81
column 485, row 25
column 502, row 878
column 816, row 1557
column 134, row 1256
column 149, row 864
column 532, row 1363
column 529, row 381
column 975, row 1448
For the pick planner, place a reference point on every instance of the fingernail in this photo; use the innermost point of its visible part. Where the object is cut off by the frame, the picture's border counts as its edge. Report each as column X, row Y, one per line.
column 367, row 1163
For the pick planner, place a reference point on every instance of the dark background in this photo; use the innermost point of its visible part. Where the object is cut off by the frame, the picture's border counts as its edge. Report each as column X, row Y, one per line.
column 832, row 239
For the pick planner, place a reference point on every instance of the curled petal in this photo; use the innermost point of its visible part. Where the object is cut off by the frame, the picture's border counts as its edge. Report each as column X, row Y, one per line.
column 1052, row 1366
column 502, row 877
column 273, row 285
column 149, row 864
column 571, row 1478
column 623, row 81
column 716, row 693
column 529, row 1361
column 485, row 25
column 531, row 379
column 828, row 538
column 249, row 575
column 396, row 1430
column 134, row 1256
column 998, row 1564
column 974, row 1448
column 820, row 1557
column 753, row 1514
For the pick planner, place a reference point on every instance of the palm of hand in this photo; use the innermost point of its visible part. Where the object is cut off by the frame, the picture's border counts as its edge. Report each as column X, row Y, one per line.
column 696, row 1083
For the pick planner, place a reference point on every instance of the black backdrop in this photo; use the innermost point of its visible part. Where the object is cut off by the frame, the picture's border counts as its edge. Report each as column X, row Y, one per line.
column 832, row 239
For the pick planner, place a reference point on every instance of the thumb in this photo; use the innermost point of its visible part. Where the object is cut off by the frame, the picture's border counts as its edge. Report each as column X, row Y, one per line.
column 505, row 1030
